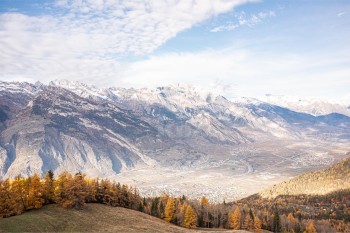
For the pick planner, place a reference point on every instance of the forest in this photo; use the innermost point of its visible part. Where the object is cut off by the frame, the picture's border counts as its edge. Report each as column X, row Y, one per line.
column 303, row 213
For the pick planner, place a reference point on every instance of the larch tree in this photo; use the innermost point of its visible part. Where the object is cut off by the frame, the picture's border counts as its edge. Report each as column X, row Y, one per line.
column 169, row 213
column 75, row 192
column 257, row 224
column 60, row 185
column 19, row 194
column 35, row 198
column 6, row 203
column 190, row 219
column 205, row 212
column 310, row 228
column 235, row 219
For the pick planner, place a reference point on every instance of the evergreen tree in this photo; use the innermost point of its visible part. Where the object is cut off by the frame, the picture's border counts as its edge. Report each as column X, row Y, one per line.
column 48, row 187
column 276, row 225
column 247, row 223
column 297, row 229
column 190, row 219
column 154, row 207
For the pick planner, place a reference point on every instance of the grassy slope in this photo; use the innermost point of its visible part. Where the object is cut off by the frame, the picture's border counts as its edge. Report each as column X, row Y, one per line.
column 93, row 217
column 334, row 178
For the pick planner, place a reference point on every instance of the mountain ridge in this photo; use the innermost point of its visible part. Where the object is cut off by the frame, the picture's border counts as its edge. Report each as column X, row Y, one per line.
column 137, row 134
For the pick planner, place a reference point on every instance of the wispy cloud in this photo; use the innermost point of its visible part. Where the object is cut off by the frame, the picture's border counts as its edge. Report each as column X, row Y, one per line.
column 77, row 34
column 340, row 14
column 242, row 19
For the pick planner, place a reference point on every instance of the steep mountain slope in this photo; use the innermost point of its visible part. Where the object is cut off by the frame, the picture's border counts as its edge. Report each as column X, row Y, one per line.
column 138, row 135
column 59, row 130
column 334, row 178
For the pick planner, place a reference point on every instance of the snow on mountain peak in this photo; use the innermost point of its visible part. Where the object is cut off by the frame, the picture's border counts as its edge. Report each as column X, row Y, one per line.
column 21, row 87
column 79, row 88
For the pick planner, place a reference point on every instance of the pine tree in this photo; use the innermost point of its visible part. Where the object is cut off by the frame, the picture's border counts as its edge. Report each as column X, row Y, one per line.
column 48, row 187
column 247, row 223
column 154, row 207
column 276, row 225
column 169, row 213
column 235, row 219
column 297, row 228
column 190, row 219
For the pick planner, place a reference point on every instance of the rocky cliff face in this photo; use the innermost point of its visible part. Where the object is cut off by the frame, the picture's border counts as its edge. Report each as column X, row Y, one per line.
column 75, row 127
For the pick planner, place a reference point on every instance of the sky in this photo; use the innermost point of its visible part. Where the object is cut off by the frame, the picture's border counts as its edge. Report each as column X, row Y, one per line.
column 235, row 47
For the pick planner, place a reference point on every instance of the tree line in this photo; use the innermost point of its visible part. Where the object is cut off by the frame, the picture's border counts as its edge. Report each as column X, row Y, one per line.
column 74, row 191
column 301, row 213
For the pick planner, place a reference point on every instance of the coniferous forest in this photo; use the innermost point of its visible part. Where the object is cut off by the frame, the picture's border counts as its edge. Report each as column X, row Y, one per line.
column 303, row 213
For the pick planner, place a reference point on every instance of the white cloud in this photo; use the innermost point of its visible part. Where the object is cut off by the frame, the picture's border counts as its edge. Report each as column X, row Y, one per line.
column 245, row 72
column 243, row 20
column 82, row 36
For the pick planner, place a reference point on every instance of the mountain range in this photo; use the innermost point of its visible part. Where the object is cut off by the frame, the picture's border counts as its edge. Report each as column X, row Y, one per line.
column 172, row 138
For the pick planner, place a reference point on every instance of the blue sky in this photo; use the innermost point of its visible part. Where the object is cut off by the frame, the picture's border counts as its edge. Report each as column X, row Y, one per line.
column 235, row 47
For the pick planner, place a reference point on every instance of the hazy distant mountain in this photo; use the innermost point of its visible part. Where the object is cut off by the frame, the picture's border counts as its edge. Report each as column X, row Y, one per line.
column 313, row 106
column 320, row 182
column 112, row 131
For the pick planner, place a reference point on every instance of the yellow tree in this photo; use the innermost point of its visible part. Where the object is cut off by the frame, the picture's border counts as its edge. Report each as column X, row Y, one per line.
column 6, row 203
column 190, row 219
column 169, row 213
column 257, row 224
column 35, row 198
column 19, row 194
column 310, row 228
column 75, row 192
column 235, row 219
column 205, row 205
column 59, row 187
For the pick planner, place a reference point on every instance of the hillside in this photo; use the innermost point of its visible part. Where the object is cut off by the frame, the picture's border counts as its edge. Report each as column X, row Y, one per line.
column 93, row 217
column 320, row 182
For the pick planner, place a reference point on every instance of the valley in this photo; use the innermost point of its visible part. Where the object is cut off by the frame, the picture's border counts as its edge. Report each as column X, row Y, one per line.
column 174, row 139
column 246, row 171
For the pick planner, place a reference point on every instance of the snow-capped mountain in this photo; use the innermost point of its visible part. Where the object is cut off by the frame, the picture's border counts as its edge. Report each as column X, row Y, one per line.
column 114, row 131
column 314, row 106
